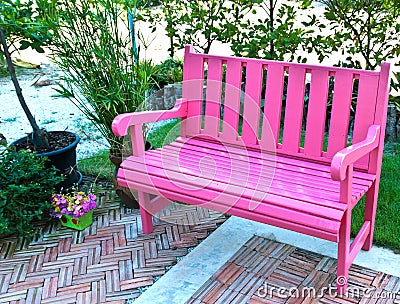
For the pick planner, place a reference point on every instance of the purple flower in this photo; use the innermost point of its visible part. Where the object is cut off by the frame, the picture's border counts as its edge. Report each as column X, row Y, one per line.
column 75, row 204
column 54, row 214
column 86, row 208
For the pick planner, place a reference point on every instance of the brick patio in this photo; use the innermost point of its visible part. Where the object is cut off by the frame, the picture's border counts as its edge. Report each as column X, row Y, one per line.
column 263, row 271
column 112, row 261
column 108, row 262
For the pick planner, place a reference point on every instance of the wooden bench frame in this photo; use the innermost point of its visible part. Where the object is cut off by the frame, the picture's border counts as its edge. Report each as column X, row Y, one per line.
column 348, row 171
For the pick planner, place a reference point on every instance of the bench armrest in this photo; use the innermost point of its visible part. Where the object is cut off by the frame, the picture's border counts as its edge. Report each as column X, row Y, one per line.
column 122, row 122
column 347, row 156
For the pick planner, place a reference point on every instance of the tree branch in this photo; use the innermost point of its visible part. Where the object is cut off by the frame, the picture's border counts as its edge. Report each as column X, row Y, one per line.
column 39, row 137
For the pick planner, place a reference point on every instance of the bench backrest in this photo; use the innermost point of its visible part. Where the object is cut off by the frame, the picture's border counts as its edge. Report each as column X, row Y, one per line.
column 293, row 98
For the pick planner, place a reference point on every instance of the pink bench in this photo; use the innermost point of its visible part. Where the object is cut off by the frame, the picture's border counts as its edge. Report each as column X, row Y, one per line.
column 260, row 154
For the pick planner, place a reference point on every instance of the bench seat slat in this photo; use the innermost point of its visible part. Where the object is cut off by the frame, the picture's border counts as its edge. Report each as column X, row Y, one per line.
column 300, row 165
column 190, row 183
column 288, row 190
column 289, row 170
column 287, row 224
column 179, row 183
column 298, row 177
column 283, row 180
column 313, row 196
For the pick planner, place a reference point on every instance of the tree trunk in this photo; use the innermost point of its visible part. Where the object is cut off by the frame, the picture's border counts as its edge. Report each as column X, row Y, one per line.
column 398, row 130
column 39, row 138
column 271, row 20
column 171, row 47
column 391, row 123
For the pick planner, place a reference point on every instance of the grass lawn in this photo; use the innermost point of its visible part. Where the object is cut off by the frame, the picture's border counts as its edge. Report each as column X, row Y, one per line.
column 387, row 226
column 98, row 165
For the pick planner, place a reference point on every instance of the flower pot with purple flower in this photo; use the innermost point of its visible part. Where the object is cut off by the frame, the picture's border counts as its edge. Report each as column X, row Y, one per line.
column 75, row 210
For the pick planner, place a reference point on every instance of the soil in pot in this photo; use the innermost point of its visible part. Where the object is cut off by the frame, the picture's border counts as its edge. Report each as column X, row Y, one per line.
column 61, row 154
column 57, row 141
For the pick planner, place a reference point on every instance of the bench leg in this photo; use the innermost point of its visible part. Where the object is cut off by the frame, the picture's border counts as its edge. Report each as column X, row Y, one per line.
column 370, row 213
column 343, row 254
column 147, row 218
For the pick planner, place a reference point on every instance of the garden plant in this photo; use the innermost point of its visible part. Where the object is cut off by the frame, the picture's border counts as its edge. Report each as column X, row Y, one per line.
column 25, row 186
column 103, row 73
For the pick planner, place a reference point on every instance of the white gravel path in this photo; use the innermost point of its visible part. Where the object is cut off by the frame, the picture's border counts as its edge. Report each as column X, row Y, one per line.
column 51, row 113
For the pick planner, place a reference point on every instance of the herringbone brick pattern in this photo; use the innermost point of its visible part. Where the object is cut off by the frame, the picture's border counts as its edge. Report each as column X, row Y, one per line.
column 106, row 263
column 264, row 271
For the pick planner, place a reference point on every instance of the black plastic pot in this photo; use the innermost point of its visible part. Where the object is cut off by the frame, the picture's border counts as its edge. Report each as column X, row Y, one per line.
column 64, row 160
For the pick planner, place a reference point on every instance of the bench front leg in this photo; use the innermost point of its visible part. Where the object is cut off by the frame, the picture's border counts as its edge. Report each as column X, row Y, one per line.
column 342, row 170
column 371, row 200
column 137, row 140
column 344, row 260
column 145, row 215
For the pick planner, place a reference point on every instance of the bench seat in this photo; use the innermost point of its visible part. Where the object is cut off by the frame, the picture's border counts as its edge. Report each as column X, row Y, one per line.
column 295, row 194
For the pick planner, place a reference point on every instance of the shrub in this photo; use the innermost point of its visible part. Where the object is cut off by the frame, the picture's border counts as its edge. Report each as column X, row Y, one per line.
column 25, row 188
column 23, row 25
column 278, row 34
column 170, row 71
column 367, row 30
column 23, row 28
column 200, row 23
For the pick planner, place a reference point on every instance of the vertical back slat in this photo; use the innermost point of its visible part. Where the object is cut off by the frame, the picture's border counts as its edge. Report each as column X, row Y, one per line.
column 316, row 113
column 380, row 116
column 192, row 90
column 252, row 100
column 213, row 97
column 340, row 115
column 366, row 100
column 232, row 100
column 294, row 109
column 273, row 98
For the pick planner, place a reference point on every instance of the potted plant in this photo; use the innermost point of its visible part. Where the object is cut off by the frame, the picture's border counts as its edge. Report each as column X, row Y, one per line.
column 74, row 209
column 59, row 147
column 26, row 186
column 103, row 73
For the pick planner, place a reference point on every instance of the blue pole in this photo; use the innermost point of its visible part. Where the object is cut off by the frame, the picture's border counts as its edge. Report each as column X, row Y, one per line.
column 131, row 23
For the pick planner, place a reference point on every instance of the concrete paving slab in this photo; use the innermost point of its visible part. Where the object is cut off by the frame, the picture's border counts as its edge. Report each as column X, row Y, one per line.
column 179, row 284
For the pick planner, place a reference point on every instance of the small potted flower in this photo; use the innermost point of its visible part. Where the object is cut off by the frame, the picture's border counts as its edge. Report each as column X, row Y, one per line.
column 75, row 209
